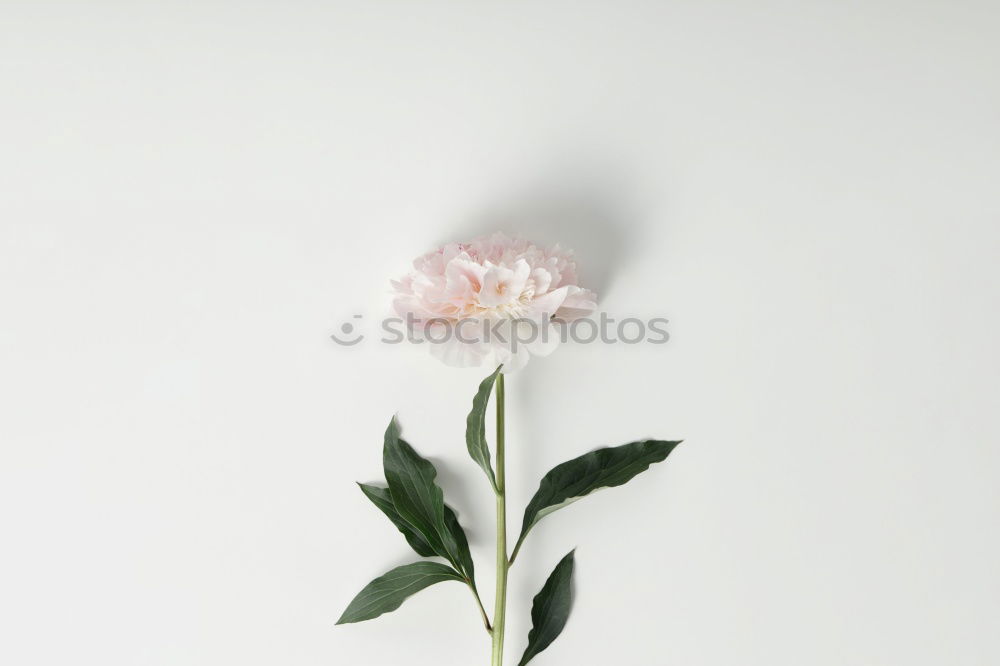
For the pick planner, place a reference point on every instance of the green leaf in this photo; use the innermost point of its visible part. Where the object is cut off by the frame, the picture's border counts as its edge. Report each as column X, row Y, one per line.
column 577, row 478
column 475, row 428
column 550, row 609
column 462, row 553
column 387, row 593
column 381, row 498
column 419, row 501
column 416, row 497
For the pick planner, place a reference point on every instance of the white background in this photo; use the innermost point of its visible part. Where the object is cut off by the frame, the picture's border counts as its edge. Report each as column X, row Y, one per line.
column 196, row 194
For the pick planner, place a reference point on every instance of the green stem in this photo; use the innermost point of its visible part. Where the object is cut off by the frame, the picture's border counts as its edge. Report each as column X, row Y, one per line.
column 513, row 556
column 479, row 603
column 500, row 611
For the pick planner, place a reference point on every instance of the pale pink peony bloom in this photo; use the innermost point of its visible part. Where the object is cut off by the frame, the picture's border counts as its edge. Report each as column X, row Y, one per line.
column 493, row 300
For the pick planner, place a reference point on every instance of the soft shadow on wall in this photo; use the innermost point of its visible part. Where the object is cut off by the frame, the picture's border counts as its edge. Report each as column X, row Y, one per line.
column 588, row 214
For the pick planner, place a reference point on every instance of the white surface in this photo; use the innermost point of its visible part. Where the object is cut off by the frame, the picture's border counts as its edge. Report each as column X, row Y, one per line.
column 195, row 195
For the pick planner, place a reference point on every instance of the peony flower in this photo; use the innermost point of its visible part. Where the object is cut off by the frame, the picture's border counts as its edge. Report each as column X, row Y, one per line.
column 493, row 300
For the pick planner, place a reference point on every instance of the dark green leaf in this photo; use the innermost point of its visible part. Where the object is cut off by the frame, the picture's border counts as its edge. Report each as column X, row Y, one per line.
column 603, row 468
column 462, row 553
column 475, row 428
column 387, row 593
column 416, row 497
column 550, row 609
column 381, row 498
column 419, row 501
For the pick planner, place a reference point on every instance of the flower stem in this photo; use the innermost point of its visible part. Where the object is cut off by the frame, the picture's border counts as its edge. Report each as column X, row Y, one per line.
column 479, row 603
column 500, row 611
